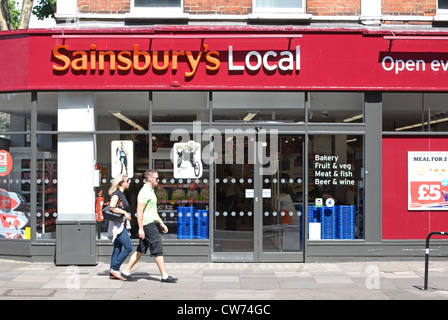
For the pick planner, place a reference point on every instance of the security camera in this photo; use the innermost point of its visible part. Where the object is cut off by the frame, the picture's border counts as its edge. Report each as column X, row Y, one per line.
column 324, row 114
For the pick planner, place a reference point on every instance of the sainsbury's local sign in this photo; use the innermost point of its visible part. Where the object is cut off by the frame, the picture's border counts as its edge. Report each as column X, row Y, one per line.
column 215, row 60
column 137, row 59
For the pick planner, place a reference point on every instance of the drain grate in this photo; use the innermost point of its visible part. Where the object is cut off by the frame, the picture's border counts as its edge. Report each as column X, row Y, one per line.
column 29, row 293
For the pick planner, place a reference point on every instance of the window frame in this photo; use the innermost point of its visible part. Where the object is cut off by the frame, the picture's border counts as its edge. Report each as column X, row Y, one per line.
column 256, row 9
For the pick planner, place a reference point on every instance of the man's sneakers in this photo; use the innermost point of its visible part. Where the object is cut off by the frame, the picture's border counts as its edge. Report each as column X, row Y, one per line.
column 127, row 277
column 169, row 279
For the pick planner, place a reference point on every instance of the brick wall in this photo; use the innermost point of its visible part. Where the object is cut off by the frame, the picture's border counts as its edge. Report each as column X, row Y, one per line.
column 237, row 7
column 242, row 7
column 333, row 7
column 409, row 7
column 104, row 6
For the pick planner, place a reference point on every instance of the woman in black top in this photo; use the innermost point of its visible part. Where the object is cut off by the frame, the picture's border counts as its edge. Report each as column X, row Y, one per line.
column 117, row 229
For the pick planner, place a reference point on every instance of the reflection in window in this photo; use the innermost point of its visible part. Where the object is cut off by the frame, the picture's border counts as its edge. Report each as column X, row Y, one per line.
column 336, row 187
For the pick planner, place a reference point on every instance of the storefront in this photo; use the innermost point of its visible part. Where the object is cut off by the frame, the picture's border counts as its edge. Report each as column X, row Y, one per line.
column 271, row 144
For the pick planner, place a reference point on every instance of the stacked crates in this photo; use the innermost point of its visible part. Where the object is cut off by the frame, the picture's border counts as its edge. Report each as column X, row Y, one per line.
column 337, row 222
column 185, row 222
column 328, row 222
column 346, row 222
column 201, row 224
column 191, row 223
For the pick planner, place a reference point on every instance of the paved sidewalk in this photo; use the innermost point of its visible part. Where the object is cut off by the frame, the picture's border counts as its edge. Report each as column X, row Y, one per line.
column 369, row 280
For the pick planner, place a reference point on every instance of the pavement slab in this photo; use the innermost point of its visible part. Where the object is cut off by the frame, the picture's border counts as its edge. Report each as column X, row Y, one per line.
column 367, row 280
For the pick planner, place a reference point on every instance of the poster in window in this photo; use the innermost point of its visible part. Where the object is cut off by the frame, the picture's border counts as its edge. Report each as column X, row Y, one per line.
column 427, row 180
column 5, row 163
column 122, row 154
column 187, row 160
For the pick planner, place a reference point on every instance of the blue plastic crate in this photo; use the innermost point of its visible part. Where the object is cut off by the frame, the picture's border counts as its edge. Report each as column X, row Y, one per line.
column 185, row 222
column 328, row 222
column 346, row 222
column 314, row 213
column 201, row 224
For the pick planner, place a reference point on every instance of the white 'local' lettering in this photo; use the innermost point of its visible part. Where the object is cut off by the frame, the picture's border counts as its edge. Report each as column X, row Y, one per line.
column 254, row 60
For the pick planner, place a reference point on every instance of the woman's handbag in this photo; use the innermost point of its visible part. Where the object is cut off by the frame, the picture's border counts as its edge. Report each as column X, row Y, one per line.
column 110, row 215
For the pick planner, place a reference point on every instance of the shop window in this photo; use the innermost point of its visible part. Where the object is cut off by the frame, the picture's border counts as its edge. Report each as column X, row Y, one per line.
column 46, row 165
column 117, row 111
column 157, row 3
column 442, row 6
column 14, row 190
column 340, row 107
column 183, row 203
column 122, row 154
column 415, row 112
column 176, row 196
column 15, row 110
column 180, row 107
column 46, row 188
column 241, row 107
column 336, row 187
column 152, row 7
column 287, row 6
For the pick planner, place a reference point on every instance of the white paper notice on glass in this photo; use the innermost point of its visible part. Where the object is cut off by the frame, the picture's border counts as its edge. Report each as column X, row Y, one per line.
column 266, row 193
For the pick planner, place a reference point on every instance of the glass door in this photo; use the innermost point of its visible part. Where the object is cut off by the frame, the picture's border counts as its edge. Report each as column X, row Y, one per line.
column 233, row 224
column 258, row 198
column 282, row 227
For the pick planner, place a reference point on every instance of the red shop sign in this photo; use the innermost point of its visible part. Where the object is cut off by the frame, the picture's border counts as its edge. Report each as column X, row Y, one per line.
column 220, row 60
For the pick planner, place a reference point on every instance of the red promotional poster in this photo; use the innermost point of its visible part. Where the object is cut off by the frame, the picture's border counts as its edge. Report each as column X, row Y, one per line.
column 5, row 163
column 428, row 180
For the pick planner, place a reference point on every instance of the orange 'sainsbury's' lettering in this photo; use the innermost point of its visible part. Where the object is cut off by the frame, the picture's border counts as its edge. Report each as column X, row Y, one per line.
column 62, row 57
column 140, row 60
column 137, row 54
column 127, row 62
